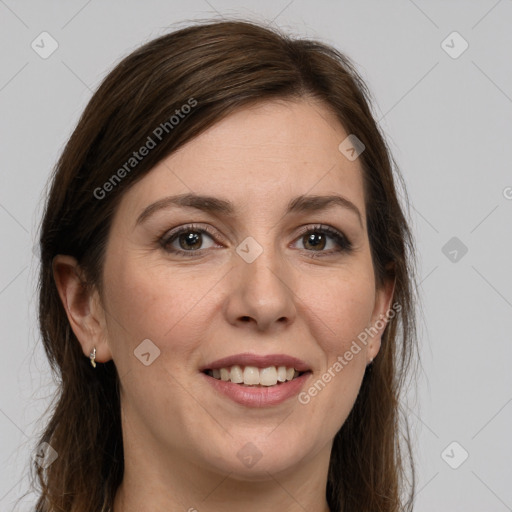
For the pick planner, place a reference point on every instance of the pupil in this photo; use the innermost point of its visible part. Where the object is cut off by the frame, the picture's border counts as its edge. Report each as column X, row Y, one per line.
column 191, row 239
column 319, row 243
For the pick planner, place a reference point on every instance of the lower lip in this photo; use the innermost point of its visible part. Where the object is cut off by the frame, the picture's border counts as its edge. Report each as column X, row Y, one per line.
column 259, row 396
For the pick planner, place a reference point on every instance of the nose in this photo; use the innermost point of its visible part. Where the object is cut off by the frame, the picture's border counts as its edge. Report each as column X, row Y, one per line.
column 261, row 293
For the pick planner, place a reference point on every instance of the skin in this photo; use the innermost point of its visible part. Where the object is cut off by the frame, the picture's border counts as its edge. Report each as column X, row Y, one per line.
column 181, row 438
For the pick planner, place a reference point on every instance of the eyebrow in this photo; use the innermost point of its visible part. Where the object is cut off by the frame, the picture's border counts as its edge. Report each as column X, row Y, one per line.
column 209, row 204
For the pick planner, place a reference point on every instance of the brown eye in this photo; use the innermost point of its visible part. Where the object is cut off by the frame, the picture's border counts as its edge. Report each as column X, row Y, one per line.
column 324, row 241
column 315, row 240
column 191, row 240
column 187, row 241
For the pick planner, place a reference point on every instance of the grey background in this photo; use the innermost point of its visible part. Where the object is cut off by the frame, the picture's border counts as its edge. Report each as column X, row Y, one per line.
column 449, row 124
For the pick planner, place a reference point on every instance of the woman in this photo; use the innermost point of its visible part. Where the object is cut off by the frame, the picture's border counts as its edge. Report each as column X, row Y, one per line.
column 226, row 287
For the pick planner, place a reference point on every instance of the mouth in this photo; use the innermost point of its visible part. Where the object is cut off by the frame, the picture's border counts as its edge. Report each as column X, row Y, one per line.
column 257, row 380
column 252, row 376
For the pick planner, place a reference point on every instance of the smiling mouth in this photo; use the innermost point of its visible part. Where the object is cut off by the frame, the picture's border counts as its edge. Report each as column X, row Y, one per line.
column 252, row 376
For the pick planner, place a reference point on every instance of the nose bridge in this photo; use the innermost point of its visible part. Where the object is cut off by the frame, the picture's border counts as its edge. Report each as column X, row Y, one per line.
column 267, row 265
column 261, row 287
column 262, row 266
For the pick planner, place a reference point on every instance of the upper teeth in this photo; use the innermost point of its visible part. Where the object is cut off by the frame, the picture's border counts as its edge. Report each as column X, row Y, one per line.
column 251, row 375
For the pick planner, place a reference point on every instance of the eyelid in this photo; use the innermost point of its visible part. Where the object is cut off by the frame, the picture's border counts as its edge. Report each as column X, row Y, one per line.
column 343, row 241
column 170, row 233
column 340, row 239
column 170, row 236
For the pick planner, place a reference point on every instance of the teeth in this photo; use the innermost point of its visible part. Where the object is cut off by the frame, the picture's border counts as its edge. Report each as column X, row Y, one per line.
column 236, row 374
column 268, row 376
column 253, row 376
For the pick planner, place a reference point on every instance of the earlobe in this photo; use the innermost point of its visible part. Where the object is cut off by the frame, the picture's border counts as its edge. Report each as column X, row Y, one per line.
column 82, row 306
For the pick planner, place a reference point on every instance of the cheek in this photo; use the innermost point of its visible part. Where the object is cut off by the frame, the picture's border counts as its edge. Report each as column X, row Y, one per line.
column 342, row 308
column 153, row 302
column 340, row 312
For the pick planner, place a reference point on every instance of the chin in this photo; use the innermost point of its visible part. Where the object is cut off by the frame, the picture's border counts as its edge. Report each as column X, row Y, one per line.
column 253, row 456
column 262, row 469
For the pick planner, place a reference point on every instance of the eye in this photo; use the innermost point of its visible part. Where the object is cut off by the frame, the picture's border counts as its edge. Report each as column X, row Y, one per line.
column 189, row 241
column 186, row 240
column 316, row 238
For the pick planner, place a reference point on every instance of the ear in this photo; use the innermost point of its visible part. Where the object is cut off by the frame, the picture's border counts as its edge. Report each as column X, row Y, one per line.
column 83, row 307
column 380, row 316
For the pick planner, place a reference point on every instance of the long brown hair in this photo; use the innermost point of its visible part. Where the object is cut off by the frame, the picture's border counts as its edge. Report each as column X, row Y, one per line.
column 219, row 67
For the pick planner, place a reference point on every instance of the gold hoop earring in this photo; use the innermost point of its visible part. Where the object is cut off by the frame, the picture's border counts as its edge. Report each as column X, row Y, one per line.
column 92, row 357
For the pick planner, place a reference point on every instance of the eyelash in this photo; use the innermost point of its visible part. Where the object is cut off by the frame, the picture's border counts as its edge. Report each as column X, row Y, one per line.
column 344, row 244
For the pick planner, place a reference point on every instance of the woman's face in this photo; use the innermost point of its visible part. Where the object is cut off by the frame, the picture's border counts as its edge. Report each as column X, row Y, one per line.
column 265, row 280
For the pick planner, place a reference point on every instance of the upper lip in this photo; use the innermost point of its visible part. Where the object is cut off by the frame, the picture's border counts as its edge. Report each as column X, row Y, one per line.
column 260, row 361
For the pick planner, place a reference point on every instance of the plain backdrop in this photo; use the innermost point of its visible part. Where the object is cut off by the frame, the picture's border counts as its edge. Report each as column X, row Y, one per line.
column 440, row 73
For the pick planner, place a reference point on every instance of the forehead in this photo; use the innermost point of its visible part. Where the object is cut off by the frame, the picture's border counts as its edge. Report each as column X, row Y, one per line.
column 259, row 157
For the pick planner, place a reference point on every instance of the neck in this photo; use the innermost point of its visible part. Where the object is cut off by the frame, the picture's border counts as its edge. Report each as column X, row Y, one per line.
column 153, row 481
